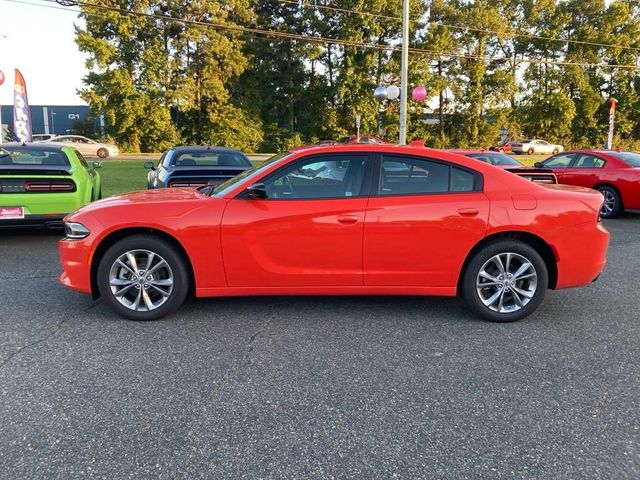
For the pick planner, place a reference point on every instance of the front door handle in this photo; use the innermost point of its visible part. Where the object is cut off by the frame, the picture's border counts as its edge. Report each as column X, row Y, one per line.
column 468, row 212
column 347, row 219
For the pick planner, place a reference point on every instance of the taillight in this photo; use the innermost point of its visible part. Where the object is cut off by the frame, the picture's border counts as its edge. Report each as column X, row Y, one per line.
column 50, row 186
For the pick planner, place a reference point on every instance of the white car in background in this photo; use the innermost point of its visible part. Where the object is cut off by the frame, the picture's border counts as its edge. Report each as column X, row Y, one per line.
column 42, row 137
column 531, row 147
column 86, row 146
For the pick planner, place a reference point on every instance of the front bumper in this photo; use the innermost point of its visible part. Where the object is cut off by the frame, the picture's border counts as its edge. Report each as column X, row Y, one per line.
column 75, row 257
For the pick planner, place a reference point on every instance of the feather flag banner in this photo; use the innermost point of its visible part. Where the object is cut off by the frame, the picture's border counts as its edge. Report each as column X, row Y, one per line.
column 21, row 114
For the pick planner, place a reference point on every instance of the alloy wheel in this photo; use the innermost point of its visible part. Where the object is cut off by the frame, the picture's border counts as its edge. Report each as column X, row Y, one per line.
column 141, row 280
column 609, row 204
column 506, row 282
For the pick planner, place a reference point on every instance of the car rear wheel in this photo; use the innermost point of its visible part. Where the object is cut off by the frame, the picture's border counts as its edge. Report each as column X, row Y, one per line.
column 555, row 151
column 103, row 152
column 505, row 281
column 501, row 150
column 531, row 151
column 143, row 277
column 612, row 205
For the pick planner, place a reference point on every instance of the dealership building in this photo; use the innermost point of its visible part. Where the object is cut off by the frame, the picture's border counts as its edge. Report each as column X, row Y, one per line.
column 51, row 119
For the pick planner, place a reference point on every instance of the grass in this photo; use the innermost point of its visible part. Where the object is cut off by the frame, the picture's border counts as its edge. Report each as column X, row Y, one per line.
column 119, row 176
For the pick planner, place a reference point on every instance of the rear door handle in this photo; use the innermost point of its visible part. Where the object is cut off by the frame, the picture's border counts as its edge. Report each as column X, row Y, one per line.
column 468, row 212
column 347, row 219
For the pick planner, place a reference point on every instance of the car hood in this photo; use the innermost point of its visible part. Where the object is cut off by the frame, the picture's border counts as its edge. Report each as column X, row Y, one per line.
column 147, row 197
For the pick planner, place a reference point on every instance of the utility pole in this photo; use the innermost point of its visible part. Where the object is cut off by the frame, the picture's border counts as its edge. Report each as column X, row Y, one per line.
column 2, row 79
column 404, row 67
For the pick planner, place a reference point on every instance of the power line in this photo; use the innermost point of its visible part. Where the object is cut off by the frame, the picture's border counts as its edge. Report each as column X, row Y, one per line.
column 462, row 27
column 326, row 40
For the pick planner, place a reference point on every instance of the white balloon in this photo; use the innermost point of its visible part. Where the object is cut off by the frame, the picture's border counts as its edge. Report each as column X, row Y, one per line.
column 380, row 93
column 393, row 92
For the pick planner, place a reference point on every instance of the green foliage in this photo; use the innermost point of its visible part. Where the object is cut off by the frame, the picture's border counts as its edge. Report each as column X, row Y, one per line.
column 159, row 83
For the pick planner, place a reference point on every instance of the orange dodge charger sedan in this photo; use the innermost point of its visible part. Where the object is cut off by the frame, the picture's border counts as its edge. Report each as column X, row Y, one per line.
column 341, row 220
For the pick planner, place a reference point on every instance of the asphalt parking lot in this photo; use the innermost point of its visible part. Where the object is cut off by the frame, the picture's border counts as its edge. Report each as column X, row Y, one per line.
column 318, row 387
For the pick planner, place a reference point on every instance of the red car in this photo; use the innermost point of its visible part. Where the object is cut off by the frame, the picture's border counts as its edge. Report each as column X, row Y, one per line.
column 500, row 160
column 504, row 148
column 615, row 174
column 341, row 220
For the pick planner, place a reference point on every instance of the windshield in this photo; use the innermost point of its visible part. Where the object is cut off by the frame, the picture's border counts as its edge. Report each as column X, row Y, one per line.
column 495, row 158
column 224, row 187
column 630, row 158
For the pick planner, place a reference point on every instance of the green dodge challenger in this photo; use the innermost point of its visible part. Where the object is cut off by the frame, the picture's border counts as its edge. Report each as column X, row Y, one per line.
column 41, row 183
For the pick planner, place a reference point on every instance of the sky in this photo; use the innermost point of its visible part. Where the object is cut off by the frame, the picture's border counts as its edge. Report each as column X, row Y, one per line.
column 39, row 42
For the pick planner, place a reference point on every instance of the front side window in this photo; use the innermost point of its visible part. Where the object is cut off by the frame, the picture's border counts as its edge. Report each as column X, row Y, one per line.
column 560, row 161
column 589, row 161
column 414, row 176
column 326, row 176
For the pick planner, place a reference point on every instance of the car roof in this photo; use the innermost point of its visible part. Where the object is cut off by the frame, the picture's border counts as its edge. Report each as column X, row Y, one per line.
column 34, row 146
column 201, row 148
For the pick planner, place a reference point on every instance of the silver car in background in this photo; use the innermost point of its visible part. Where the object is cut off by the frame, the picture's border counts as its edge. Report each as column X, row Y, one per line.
column 531, row 147
column 87, row 146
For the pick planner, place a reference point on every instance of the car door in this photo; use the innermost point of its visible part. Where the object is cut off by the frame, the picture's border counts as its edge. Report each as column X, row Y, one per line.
column 542, row 147
column 306, row 232
column 423, row 218
column 584, row 170
column 560, row 165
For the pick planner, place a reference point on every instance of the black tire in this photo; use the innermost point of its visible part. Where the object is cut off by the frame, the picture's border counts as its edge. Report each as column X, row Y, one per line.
column 501, row 150
column 471, row 294
column 555, row 151
column 103, row 152
column 158, row 246
column 612, row 206
column 531, row 151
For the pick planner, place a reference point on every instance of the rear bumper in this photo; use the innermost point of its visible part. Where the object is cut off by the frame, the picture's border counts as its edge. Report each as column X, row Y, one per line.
column 35, row 221
column 582, row 255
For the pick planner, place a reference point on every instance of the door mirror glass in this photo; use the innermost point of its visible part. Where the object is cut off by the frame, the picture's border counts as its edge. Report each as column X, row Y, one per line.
column 538, row 164
column 257, row 191
column 149, row 165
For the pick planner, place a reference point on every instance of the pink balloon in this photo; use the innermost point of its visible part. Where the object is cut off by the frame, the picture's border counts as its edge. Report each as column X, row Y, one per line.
column 1, row 77
column 419, row 94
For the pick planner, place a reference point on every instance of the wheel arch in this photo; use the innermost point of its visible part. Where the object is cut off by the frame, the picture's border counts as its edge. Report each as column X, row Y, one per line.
column 537, row 243
column 611, row 185
column 118, row 235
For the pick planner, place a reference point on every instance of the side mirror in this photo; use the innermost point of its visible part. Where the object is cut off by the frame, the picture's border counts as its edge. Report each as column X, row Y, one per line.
column 538, row 165
column 96, row 164
column 257, row 191
column 149, row 165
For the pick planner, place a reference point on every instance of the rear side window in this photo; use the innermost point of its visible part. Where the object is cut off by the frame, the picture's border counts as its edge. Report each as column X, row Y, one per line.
column 414, row 176
column 25, row 156
column 209, row 159
column 630, row 158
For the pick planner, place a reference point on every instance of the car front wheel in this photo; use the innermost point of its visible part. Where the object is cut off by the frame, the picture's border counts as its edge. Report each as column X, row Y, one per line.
column 531, row 151
column 143, row 277
column 505, row 281
column 612, row 205
column 103, row 153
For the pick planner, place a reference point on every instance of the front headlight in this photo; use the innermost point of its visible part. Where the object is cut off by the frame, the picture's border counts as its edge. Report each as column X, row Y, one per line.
column 75, row 231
